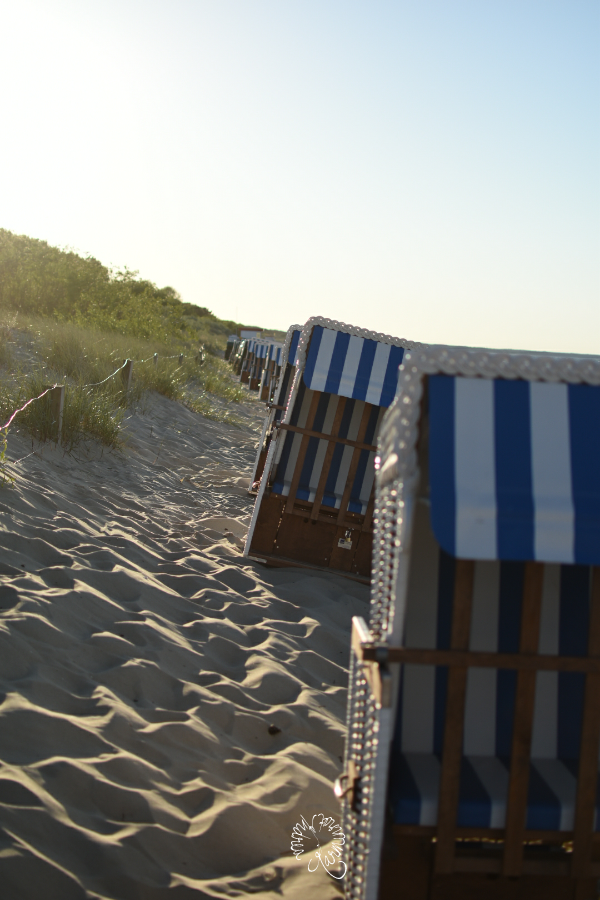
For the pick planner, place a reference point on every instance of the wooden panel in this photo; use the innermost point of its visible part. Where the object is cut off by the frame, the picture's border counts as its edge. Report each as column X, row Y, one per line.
column 325, row 437
column 590, row 739
column 455, row 714
column 361, row 564
column 362, row 430
column 267, row 524
column 405, row 868
column 516, row 811
column 305, row 540
column 341, row 557
column 481, row 659
column 335, row 430
column 312, row 412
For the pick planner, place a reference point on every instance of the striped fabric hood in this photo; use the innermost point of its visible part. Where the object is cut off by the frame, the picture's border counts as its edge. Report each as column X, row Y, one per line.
column 515, row 469
column 352, row 366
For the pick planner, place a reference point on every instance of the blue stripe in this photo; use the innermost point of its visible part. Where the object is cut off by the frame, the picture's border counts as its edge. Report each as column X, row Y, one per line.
column 584, row 416
column 509, row 632
column 365, row 367
column 441, row 460
column 543, row 806
column 313, row 446
column 294, row 345
column 336, row 364
column 390, row 382
column 363, row 459
column 573, row 631
column 312, row 354
column 283, row 392
column 447, row 566
column 287, row 445
column 514, row 488
column 474, row 804
column 404, row 793
column 329, row 497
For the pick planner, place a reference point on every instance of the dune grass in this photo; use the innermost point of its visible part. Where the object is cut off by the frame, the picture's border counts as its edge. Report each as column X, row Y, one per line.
column 38, row 352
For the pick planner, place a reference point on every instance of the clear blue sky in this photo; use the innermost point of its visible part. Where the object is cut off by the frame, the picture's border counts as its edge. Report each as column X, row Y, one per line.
column 427, row 169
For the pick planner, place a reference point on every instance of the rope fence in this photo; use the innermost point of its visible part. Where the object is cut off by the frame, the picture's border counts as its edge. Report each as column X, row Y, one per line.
column 58, row 390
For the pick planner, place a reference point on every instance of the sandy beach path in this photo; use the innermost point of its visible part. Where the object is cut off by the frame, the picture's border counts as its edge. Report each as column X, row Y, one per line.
column 168, row 710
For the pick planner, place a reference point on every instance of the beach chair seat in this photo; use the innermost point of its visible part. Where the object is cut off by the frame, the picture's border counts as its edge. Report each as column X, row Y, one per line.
column 315, row 501
column 474, row 711
column 281, row 385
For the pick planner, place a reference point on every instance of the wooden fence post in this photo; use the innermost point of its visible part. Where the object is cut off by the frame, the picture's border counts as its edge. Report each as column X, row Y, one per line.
column 155, row 358
column 127, row 373
column 181, row 359
column 57, row 405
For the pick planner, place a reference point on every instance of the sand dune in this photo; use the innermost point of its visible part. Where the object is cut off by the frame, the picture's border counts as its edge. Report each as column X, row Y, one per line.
column 168, row 710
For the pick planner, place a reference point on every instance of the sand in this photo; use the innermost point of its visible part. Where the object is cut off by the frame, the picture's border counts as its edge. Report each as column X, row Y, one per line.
column 168, row 709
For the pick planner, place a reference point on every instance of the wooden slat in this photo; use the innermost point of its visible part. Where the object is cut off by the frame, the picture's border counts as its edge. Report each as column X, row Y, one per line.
column 335, row 430
column 587, row 782
column 312, row 412
column 530, row 662
column 362, row 430
column 516, row 811
column 325, row 437
column 454, row 725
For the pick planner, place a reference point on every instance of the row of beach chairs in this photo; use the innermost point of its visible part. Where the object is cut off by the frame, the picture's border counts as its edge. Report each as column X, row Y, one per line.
column 468, row 490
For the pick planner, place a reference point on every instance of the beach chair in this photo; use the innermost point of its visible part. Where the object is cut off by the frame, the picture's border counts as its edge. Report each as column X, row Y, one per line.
column 278, row 400
column 248, row 361
column 237, row 357
column 267, row 381
column 260, row 354
column 315, row 501
column 471, row 766
column 232, row 343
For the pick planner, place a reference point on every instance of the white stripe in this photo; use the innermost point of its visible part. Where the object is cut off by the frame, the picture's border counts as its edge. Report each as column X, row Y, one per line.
column 480, row 707
column 475, row 469
column 425, row 769
column 494, row 778
column 551, row 471
column 563, row 785
column 377, row 376
column 544, row 741
column 350, row 369
column 323, row 362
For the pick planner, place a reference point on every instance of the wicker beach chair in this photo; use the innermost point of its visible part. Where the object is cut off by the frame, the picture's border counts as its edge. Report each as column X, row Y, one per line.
column 472, row 755
column 315, row 501
column 278, row 399
column 238, row 356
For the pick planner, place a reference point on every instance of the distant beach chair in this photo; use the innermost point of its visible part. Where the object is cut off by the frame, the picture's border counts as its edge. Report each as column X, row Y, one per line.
column 232, row 342
column 315, row 502
column 247, row 366
column 237, row 357
column 260, row 355
column 269, row 371
column 471, row 766
column 280, row 391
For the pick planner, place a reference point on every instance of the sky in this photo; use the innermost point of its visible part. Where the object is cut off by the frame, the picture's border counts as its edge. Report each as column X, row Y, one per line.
column 429, row 170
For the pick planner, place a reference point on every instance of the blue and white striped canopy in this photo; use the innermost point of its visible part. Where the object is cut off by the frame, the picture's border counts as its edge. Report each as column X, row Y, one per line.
column 515, row 469
column 351, row 366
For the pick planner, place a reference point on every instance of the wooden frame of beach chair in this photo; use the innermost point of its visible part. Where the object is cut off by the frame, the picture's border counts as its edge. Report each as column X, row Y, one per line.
column 473, row 743
column 315, row 501
column 278, row 401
